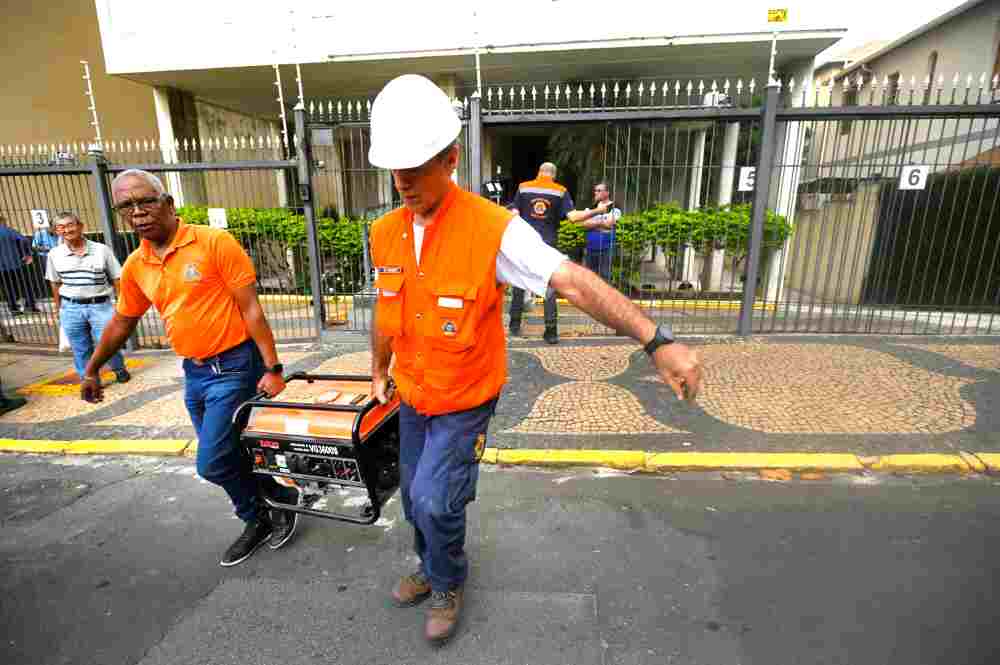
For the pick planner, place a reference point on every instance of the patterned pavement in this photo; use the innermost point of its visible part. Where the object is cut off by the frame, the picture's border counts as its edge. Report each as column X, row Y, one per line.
column 864, row 395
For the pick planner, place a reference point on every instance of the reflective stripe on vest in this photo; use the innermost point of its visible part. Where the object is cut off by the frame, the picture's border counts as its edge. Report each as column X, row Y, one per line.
column 445, row 316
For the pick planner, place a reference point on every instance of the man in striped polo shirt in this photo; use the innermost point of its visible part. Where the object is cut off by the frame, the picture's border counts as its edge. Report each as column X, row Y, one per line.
column 83, row 273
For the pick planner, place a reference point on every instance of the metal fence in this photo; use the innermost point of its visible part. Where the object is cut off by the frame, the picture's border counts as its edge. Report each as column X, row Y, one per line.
column 249, row 178
column 825, row 237
column 859, row 207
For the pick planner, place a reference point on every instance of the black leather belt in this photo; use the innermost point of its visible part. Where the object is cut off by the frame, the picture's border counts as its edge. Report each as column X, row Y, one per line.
column 87, row 301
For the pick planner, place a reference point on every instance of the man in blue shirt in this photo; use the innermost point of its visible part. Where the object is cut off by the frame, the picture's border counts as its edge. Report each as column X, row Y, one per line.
column 600, row 222
column 15, row 253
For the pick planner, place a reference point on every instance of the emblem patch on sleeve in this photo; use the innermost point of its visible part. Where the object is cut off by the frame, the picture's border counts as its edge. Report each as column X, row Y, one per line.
column 480, row 446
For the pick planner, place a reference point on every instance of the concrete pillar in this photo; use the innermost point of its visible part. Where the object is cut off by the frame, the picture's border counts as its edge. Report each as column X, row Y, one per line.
column 786, row 194
column 713, row 276
column 177, row 120
column 448, row 83
column 774, row 275
column 161, row 104
column 730, row 143
column 689, row 271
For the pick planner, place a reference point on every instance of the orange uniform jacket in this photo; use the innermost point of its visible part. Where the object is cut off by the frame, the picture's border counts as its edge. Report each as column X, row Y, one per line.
column 444, row 316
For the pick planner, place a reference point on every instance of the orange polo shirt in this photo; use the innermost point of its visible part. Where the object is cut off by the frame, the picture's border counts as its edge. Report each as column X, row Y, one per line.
column 191, row 288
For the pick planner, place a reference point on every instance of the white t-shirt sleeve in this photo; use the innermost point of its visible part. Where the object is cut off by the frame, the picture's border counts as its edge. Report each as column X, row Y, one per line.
column 111, row 264
column 524, row 260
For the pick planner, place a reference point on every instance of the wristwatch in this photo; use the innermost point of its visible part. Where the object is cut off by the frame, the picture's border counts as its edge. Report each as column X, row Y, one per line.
column 664, row 335
column 277, row 368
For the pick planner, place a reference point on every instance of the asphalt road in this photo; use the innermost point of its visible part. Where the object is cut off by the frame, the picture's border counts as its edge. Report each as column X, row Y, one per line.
column 115, row 561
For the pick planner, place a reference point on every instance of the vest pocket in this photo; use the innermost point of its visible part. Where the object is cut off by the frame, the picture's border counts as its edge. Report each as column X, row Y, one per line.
column 389, row 307
column 454, row 319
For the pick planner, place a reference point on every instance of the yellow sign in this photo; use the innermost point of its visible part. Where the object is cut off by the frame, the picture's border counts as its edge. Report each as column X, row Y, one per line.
column 777, row 15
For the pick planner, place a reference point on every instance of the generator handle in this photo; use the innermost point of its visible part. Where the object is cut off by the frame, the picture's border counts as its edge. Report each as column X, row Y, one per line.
column 365, row 520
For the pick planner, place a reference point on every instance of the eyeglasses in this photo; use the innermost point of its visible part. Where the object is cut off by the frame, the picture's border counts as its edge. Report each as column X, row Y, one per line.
column 127, row 208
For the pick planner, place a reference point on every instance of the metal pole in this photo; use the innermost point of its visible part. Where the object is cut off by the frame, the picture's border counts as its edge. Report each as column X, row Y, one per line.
column 281, row 106
column 475, row 143
column 106, row 216
column 304, row 157
column 95, row 121
column 762, row 190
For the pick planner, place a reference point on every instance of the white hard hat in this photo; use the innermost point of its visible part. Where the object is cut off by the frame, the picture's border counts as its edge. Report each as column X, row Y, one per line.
column 411, row 121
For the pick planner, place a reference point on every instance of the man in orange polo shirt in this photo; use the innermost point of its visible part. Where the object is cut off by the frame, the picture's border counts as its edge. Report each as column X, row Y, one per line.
column 203, row 285
column 443, row 261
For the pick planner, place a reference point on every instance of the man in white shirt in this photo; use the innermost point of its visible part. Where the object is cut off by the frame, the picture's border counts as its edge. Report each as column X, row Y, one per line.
column 84, row 275
column 600, row 227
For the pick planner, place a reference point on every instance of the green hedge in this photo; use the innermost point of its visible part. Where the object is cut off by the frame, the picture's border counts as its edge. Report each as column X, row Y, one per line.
column 668, row 226
column 340, row 236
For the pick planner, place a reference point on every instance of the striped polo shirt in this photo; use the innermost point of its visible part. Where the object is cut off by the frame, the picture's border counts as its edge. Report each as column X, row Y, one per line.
column 83, row 276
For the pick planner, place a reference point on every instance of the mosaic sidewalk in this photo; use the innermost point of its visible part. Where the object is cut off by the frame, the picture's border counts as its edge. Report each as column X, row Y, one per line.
column 859, row 395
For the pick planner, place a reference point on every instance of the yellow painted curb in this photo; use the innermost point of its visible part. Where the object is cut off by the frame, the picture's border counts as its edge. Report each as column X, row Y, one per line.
column 46, row 387
column 991, row 460
column 628, row 460
column 96, row 446
column 919, row 463
column 975, row 464
column 793, row 461
column 33, row 446
column 137, row 447
column 684, row 304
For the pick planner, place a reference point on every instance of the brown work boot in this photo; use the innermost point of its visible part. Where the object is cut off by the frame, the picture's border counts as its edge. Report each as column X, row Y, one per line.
column 443, row 615
column 411, row 590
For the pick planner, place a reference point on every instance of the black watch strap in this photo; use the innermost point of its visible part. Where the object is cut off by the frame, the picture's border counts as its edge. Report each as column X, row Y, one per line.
column 277, row 368
column 664, row 335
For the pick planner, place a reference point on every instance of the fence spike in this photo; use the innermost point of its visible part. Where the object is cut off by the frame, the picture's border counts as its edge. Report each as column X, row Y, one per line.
column 628, row 93
column 534, row 94
column 725, row 87
column 715, row 87
column 954, row 82
column 968, row 81
column 604, row 92
column 982, row 80
column 701, row 88
column 690, row 88
column 546, row 93
column 524, row 95
column 579, row 95
column 616, row 90
column 558, row 91
column 641, row 90
column 739, row 87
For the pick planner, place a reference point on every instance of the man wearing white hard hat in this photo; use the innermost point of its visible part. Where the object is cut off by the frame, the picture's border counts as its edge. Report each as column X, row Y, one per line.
column 443, row 261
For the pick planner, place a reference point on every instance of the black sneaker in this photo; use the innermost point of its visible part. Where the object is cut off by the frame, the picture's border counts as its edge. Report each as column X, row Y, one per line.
column 254, row 535
column 551, row 336
column 122, row 375
column 284, row 522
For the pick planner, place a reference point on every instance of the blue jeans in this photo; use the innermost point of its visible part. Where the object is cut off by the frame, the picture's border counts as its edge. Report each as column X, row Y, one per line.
column 212, row 392
column 439, row 470
column 599, row 261
column 84, row 325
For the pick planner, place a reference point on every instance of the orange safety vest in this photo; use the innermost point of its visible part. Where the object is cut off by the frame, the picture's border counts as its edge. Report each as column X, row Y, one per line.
column 445, row 315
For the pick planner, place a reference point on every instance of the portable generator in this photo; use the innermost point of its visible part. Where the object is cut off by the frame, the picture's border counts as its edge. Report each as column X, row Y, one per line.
column 332, row 441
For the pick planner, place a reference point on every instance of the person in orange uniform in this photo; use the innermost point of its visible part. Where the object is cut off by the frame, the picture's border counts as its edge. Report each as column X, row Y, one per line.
column 203, row 285
column 442, row 262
